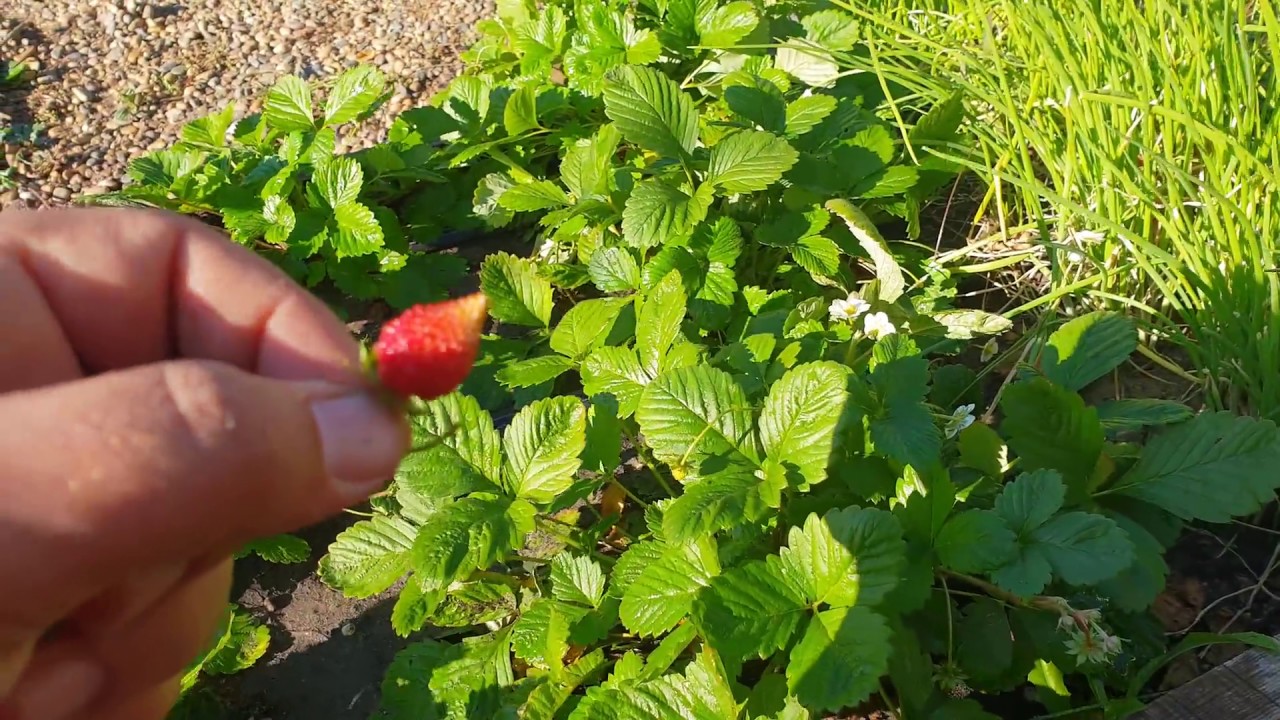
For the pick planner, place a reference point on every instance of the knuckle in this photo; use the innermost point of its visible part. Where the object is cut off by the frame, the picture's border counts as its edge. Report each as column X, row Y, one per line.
column 204, row 400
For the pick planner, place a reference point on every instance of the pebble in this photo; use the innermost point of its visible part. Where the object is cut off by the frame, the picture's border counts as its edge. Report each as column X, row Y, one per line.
column 115, row 77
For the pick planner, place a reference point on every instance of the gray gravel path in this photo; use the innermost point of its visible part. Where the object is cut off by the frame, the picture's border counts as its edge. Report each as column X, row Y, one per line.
column 114, row 78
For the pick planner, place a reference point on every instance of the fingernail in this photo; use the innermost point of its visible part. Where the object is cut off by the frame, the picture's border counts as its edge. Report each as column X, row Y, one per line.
column 60, row 691
column 363, row 442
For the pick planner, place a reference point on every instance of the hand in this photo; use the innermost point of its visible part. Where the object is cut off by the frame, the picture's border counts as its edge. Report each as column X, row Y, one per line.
column 165, row 397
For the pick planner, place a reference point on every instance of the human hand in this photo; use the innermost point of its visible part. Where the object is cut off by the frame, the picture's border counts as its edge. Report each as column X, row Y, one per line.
column 165, row 396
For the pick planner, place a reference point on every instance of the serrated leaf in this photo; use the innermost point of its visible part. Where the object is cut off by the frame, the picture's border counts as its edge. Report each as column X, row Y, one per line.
column 541, row 635
column 975, row 541
column 984, row 639
column 474, row 603
column 1087, row 348
column 719, row 500
column 727, row 24
column 1136, row 587
column 751, row 611
column 469, row 534
column 800, row 415
column 603, row 453
column 617, row 371
column 463, row 453
column 968, row 324
column 368, row 557
column 1135, row 414
column 1050, row 427
column 1030, row 500
column 359, row 232
column 846, row 557
column 534, row 371
column 658, row 212
column 940, row 124
column 431, row 680
column 1211, row 468
column 658, row 322
column 244, row 643
column 702, row 693
column 749, row 161
column 586, row 166
column 832, row 29
column 486, row 199
column 888, row 272
column 1083, row 548
column 807, row 62
column 817, row 254
column 695, row 413
column 282, row 549
column 415, row 604
column 542, row 446
column 902, row 425
column 804, row 113
column 532, row 196
column 982, row 448
column 840, row 659
column 651, row 111
column 546, row 700
column 516, row 292
column 586, row 326
column 577, row 579
column 759, row 102
column 211, row 130
column 339, row 181
column 614, row 270
column 288, row 105
column 354, row 94
column 661, row 595
column 521, row 111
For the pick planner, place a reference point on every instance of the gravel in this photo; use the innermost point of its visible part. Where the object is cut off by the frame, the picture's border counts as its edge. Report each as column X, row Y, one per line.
column 111, row 79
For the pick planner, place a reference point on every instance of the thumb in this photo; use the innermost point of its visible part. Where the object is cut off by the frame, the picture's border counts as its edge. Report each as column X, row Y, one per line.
column 165, row 462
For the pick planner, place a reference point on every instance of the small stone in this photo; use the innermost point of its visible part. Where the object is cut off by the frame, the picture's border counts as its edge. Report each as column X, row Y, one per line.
column 62, row 193
column 80, row 94
column 348, row 630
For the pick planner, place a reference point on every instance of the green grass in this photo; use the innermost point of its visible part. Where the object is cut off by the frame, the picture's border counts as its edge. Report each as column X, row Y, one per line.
column 1137, row 138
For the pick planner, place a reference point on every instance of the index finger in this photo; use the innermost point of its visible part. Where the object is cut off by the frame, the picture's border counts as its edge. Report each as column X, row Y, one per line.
column 130, row 287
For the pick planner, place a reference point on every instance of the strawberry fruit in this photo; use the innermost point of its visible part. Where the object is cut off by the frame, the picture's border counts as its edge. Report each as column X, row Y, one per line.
column 429, row 349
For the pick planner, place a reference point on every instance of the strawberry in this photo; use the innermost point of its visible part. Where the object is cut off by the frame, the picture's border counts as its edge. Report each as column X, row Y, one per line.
column 428, row 350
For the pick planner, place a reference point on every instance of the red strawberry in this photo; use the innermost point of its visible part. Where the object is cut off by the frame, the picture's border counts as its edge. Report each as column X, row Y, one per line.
column 429, row 349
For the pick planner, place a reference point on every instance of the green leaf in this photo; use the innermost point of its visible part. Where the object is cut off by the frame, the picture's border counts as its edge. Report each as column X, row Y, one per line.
column 431, row 680
column 288, row 105
column 662, row 594
column 984, row 640
column 658, row 322
column 368, row 557
column 354, row 94
column 614, row 270
column 839, row 661
column 808, row 63
column 702, row 693
column 651, row 111
column 534, row 371
column 463, row 454
column 657, row 213
column 282, row 549
column 695, row 413
column 981, row 448
column 474, row 603
column 832, row 29
column 975, row 541
column 817, row 254
column 1212, row 468
column 532, row 196
column 359, row 232
column 339, row 181
column 902, row 426
column 277, row 211
column 603, row 453
column 576, row 579
column 1030, row 500
column 517, row 293
column 211, row 130
column 586, row 326
column 846, row 557
column 1135, row 414
column 541, row 635
column 486, row 201
column 1087, row 348
column 521, row 112
column 800, row 415
column 968, row 324
column 888, row 272
column 727, row 24
column 586, row 167
column 940, row 125
column 617, row 371
column 805, row 112
column 469, row 534
column 244, row 643
column 1050, row 427
column 546, row 700
column 542, row 445
column 749, row 161
column 712, row 503
column 415, row 605
column 1083, row 548
column 751, row 611
column 757, row 101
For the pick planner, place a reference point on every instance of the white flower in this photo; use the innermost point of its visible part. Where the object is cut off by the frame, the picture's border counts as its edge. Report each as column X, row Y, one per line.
column 961, row 418
column 1086, row 648
column 848, row 309
column 547, row 249
column 989, row 350
column 877, row 325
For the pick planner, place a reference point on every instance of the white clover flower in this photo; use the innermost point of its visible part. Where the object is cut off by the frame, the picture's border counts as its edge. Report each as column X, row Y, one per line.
column 877, row 325
column 848, row 309
column 989, row 350
column 961, row 418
